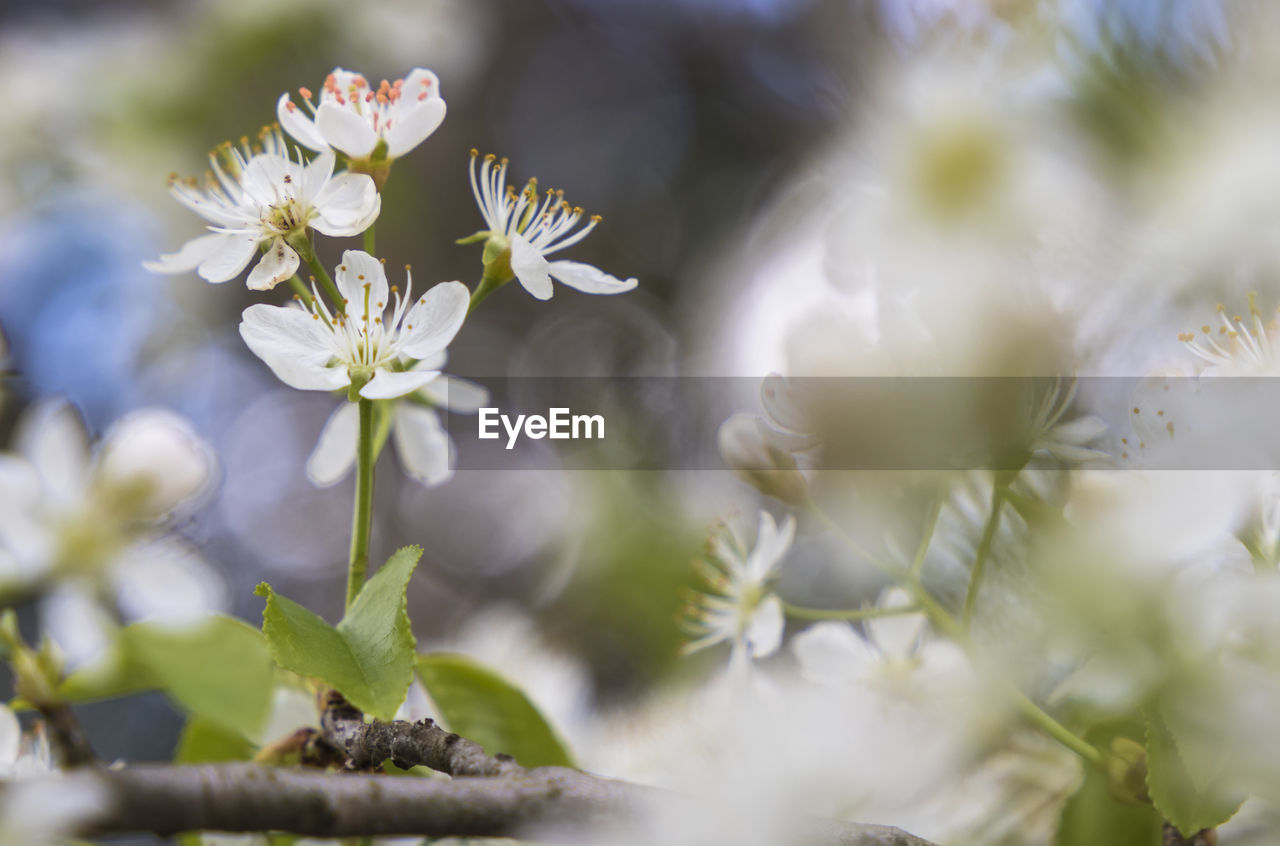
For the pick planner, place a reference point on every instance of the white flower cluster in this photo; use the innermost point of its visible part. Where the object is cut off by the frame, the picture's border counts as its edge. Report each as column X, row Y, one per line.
column 368, row 337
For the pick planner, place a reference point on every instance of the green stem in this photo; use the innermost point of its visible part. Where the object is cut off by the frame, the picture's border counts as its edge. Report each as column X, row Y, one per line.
column 300, row 288
column 369, row 239
column 984, row 552
column 384, row 416
column 802, row 613
column 308, row 254
column 930, row 524
column 1053, row 728
column 949, row 626
column 488, row 284
column 362, row 518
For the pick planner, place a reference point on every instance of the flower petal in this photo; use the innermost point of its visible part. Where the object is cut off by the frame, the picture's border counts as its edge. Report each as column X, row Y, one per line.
column 268, row 179
column 771, row 545
column 425, row 448
column 389, row 384
column 77, row 623
column 335, row 451
column 764, row 630
column 10, row 739
column 781, row 401
column 417, row 82
column 411, row 128
column 1080, row 431
column 435, row 361
column 213, row 207
column 460, row 396
column 297, row 124
column 346, row 206
column 191, row 255
column 358, row 273
column 166, row 581
column 276, row 265
column 589, row 279
column 229, row 258
column 530, row 268
column 434, row 319
column 896, row 635
column 833, row 653
column 53, row 437
column 345, row 130
column 157, row 453
column 317, row 174
column 294, row 346
column 27, row 540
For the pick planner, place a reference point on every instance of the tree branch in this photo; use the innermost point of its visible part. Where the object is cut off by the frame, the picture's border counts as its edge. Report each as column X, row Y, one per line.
column 550, row 803
column 486, row 796
column 406, row 744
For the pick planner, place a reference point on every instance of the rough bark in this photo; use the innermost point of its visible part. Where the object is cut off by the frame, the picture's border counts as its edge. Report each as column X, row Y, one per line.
column 1204, row 837
column 551, row 804
column 482, row 795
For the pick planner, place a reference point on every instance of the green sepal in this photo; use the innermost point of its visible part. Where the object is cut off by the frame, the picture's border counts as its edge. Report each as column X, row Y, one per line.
column 482, row 235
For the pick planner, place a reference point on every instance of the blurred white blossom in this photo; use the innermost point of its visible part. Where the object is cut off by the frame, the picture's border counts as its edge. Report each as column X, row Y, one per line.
column 740, row 608
column 36, row 807
column 833, row 653
column 83, row 522
column 1236, row 347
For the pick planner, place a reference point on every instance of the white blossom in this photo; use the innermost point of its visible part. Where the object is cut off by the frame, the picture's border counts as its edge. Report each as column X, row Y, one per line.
column 534, row 229
column 267, row 200
column 834, row 653
column 82, row 523
column 353, row 117
column 1066, row 440
column 740, row 607
column 314, row 349
column 1239, row 347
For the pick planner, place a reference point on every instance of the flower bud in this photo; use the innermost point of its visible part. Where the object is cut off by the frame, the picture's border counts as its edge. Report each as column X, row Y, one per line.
column 157, row 457
column 762, row 457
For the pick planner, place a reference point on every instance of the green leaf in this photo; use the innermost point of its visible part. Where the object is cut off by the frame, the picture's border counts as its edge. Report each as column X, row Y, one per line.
column 205, row 742
column 1094, row 814
column 219, row 670
column 1173, row 787
column 121, row 674
column 482, row 706
column 368, row 657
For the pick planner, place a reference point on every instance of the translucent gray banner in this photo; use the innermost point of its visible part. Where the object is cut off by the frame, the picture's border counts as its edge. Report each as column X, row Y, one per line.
column 674, row 423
